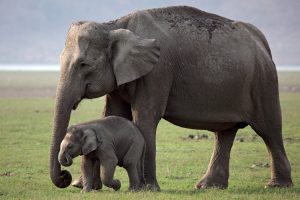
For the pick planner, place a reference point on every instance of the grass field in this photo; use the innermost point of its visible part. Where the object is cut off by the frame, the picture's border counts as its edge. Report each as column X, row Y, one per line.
column 26, row 112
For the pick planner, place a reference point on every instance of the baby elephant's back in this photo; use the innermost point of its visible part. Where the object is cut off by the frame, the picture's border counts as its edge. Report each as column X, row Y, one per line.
column 125, row 135
column 123, row 130
column 120, row 126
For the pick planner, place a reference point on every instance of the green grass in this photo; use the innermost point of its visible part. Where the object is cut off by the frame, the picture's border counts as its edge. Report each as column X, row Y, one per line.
column 25, row 134
column 289, row 78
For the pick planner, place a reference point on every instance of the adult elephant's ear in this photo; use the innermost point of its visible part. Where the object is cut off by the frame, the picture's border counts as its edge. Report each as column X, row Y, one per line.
column 132, row 57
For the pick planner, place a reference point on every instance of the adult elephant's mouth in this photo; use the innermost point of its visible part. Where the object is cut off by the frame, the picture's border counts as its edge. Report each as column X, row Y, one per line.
column 76, row 104
column 82, row 97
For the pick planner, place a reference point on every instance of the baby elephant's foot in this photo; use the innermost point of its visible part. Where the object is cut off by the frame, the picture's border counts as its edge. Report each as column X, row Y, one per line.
column 97, row 185
column 279, row 183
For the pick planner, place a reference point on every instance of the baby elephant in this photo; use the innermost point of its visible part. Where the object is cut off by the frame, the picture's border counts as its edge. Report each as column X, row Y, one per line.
column 111, row 141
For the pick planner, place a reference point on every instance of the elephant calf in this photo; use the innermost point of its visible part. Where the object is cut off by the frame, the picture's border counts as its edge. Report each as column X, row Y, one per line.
column 111, row 141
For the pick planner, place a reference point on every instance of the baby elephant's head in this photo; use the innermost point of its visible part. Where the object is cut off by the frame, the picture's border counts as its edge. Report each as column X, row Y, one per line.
column 77, row 142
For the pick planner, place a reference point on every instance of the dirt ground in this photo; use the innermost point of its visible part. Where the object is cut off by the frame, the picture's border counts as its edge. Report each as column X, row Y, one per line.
column 43, row 84
column 20, row 84
column 26, row 93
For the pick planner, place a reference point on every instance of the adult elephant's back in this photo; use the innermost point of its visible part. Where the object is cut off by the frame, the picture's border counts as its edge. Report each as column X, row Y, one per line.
column 213, row 62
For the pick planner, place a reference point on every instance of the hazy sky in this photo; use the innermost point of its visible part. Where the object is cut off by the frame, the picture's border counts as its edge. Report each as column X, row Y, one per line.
column 33, row 31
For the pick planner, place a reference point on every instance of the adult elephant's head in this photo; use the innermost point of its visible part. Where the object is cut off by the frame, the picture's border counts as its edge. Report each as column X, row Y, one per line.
column 94, row 62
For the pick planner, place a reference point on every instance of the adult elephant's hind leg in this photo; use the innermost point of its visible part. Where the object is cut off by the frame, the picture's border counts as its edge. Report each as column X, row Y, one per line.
column 217, row 173
column 280, row 166
column 267, row 123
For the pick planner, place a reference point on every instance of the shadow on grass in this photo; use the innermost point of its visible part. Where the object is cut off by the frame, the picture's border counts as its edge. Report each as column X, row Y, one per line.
column 240, row 190
column 180, row 191
column 261, row 190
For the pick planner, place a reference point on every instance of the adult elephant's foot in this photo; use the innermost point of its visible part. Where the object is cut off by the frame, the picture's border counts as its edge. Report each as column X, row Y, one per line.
column 279, row 183
column 152, row 186
column 212, row 182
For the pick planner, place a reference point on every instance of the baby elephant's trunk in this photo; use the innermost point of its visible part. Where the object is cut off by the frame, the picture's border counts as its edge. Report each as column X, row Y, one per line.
column 65, row 159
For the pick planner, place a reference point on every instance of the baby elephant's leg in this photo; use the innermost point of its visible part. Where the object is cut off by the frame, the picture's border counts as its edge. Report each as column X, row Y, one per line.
column 107, row 170
column 133, row 165
column 87, row 165
column 97, row 184
column 134, row 179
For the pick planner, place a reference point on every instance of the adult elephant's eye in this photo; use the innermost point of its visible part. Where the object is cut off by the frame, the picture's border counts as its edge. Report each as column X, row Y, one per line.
column 83, row 65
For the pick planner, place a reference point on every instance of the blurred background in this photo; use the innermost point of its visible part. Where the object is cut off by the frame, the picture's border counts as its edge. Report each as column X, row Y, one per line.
column 33, row 32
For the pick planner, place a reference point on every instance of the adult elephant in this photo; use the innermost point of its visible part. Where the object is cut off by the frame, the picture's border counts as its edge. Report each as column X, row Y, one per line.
column 192, row 68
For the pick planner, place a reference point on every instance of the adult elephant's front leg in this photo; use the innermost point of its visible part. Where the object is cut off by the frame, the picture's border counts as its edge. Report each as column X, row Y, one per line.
column 148, row 129
column 217, row 173
column 114, row 105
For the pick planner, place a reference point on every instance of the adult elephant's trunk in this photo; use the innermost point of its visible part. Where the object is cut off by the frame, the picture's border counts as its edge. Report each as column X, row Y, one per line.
column 63, row 108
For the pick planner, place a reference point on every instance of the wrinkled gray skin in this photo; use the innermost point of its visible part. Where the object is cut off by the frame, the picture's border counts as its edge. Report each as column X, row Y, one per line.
column 194, row 69
column 111, row 141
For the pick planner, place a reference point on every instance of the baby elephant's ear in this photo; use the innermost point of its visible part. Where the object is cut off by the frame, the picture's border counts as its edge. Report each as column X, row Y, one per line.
column 89, row 141
column 99, row 139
